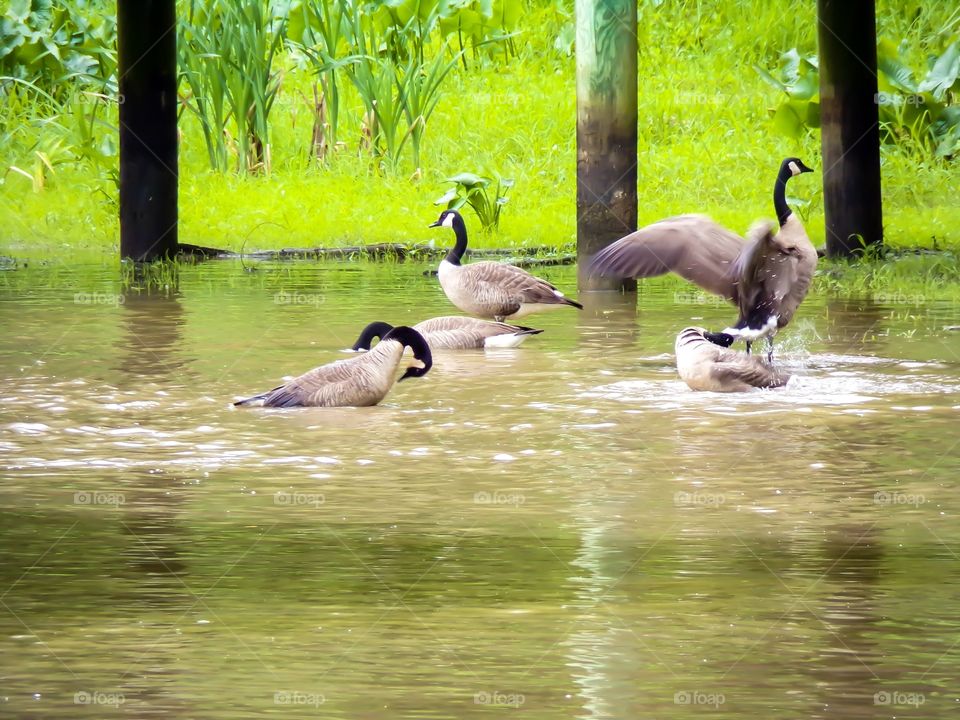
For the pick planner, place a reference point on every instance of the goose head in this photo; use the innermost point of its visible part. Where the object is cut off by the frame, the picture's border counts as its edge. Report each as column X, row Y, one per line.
column 721, row 339
column 454, row 220
column 449, row 219
column 698, row 334
column 790, row 167
column 793, row 166
column 421, row 351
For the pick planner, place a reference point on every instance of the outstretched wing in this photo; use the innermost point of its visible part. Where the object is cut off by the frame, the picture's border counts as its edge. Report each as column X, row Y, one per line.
column 693, row 246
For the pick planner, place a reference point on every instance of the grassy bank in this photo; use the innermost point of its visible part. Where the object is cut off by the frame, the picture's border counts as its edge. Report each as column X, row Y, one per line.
column 707, row 144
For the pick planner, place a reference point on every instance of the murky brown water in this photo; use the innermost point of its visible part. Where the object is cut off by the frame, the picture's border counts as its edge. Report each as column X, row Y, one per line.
column 562, row 530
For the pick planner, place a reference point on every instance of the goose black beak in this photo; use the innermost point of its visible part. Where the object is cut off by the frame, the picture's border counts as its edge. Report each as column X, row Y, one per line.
column 434, row 224
column 804, row 168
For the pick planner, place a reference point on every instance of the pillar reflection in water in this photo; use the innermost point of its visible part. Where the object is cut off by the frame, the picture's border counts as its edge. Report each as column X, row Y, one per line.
column 156, row 588
column 608, row 319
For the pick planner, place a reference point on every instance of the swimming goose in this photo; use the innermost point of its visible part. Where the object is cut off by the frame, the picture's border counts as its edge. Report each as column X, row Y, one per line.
column 705, row 363
column 455, row 333
column 766, row 276
column 492, row 289
column 355, row 382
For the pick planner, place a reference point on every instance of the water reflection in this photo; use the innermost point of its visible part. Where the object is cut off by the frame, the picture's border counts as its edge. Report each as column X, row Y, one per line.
column 854, row 325
column 150, row 345
column 608, row 319
column 564, row 521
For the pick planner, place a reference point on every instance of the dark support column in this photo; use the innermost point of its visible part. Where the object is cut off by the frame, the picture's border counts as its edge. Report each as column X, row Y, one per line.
column 147, row 50
column 850, row 132
column 606, row 129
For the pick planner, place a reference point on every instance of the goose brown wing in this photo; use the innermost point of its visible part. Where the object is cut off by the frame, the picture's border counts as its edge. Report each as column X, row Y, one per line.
column 693, row 246
column 454, row 331
column 749, row 370
column 307, row 389
column 499, row 283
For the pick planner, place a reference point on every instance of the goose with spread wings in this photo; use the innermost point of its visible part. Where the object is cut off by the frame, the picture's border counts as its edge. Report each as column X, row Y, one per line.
column 767, row 275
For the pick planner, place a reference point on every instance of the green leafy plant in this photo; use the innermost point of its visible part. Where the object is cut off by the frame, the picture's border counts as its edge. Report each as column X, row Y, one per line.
column 64, row 131
column 316, row 31
column 486, row 195
column 227, row 51
column 59, row 47
column 399, row 96
column 921, row 112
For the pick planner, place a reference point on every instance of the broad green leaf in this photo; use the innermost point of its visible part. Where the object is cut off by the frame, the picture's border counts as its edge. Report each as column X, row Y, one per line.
column 944, row 72
column 787, row 120
column 19, row 10
column 446, row 197
column 469, row 180
column 807, row 85
column 108, row 146
column 896, row 72
column 790, row 63
column 770, row 79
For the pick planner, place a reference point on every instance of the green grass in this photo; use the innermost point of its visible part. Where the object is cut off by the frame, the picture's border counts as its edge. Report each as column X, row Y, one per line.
column 706, row 145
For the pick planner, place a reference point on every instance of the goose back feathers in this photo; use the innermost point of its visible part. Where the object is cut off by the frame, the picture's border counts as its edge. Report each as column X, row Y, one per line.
column 491, row 289
column 766, row 276
column 705, row 363
column 355, row 382
column 455, row 333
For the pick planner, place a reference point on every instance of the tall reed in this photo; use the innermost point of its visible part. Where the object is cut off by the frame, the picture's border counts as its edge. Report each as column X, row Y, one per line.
column 227, row 51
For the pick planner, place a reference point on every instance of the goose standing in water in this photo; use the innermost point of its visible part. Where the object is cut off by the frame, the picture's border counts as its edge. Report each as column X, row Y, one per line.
column 492, row 289
column 766, row 276
column 455, row 333
column 705, row 363
column 355, row 382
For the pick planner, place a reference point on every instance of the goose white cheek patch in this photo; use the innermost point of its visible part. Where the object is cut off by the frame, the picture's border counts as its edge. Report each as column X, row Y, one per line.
column 447, row 221
column 793, row 168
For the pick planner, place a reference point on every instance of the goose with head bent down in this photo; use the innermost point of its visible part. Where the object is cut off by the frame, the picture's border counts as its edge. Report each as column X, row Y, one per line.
column 355, row 382
column 492, row 289
column 766, row 276
column 455, row 333
column 704, row 362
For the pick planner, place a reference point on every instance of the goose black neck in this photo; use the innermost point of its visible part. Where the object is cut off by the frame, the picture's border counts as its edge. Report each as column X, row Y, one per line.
column 455, row 255
column 371, row 331
column 421, row 350
column 780, row 195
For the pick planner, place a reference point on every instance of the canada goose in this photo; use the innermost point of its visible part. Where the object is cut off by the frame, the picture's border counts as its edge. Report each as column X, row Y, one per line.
column 355, row 382
column 492, row 289
column 766, row 276
column 705, row 363
column 455, row 333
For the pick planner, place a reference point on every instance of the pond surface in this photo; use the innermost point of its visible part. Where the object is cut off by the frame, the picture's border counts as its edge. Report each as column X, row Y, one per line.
column 562, row 530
